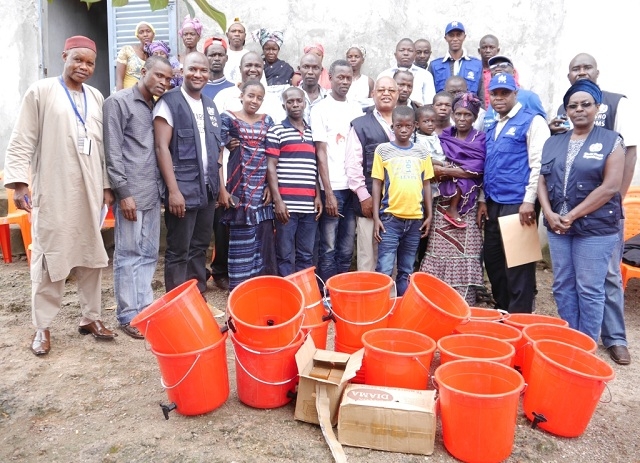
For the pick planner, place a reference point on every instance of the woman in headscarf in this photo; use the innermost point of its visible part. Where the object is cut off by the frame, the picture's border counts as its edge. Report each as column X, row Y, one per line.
column 579, row 191
column 453, row 251
column 131, row 58
column 190, row 32
column 361, row 89
column 277, row 72
column 161, row 48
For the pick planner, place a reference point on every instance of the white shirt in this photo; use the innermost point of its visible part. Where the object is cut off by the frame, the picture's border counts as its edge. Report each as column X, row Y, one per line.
column 330, row 123
column 228, row 99
column 423, row 87
column 162, row 110
column 232, row 68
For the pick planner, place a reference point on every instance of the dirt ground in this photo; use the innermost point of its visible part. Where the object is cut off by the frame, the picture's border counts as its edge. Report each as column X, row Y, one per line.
column 91, row 401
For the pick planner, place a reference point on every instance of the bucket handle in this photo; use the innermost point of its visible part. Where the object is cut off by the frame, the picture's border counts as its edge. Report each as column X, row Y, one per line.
column 421, row 364
column 610, row 395
column 271, row 351
column 278, row 383
column 147, row 344
column 393, row 306
column 183, row 378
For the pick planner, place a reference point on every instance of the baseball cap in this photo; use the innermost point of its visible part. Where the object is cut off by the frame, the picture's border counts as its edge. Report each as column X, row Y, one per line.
column 454, row 26
column 499, row 59
column 505, row 81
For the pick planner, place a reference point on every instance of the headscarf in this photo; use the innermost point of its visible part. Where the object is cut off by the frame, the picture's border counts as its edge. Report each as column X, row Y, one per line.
column 468, row 101
column 135, row 32
column 191, row 22
column 152, row 47
column 210, row 40
column 262, row 36
column 583, row 85
column 237, row 21
column 317, row 46
column 363, row 50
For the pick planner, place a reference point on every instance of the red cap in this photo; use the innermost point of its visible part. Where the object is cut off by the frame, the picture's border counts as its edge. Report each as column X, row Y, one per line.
column 210, row 40
column 80, row 41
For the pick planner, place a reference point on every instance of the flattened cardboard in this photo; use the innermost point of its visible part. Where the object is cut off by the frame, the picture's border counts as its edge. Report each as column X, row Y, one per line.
column 343, row 368
column 386, row 418
column 521, row 242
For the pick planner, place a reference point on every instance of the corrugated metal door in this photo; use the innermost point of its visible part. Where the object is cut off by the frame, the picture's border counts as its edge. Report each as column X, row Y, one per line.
column 123, row 20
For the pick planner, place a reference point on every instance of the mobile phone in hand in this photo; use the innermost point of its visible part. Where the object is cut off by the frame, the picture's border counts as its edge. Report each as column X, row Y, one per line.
column 234, row 200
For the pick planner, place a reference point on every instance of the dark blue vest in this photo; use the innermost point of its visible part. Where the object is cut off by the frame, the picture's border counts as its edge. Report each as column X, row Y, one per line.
column 371, row 134
column 587, row 173
column 186, row 149
column 506, row 168
column 470, row 70
column 606, row 117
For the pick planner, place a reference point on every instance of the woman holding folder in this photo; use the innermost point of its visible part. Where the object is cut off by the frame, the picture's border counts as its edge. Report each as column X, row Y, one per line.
column 578, row 189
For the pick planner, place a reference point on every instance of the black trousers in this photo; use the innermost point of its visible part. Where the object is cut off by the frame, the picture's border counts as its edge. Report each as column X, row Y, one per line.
column 219, row 266
column 187, row 244
column 513, row 288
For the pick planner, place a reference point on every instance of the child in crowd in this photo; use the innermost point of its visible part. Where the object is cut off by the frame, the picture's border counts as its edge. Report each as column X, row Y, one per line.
column 402, row 210
column 443, row 104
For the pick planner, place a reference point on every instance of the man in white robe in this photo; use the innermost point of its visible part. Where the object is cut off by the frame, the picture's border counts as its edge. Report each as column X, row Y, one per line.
column 55, row 164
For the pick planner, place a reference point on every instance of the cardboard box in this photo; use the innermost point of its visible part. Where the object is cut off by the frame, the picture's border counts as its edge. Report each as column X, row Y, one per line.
column 317, row 366
column 387, row 418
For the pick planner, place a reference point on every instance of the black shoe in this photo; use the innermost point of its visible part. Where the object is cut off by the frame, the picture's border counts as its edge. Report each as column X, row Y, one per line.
column 222, row 283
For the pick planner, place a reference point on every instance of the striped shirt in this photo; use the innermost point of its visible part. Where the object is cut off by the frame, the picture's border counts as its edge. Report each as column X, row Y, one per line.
column 297, row 170
column 403, row 171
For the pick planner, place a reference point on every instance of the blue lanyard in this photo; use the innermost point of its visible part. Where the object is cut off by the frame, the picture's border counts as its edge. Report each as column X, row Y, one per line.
column 73, row 104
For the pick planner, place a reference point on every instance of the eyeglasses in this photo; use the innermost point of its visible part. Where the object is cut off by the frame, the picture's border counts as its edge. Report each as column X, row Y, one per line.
column 583, row 105
column 381, row 91
column 503, row 65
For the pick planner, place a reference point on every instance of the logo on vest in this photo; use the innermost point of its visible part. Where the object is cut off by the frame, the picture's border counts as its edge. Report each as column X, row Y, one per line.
column 511, row 132
column 594, row 152
column 212, row 116
column 470, row 76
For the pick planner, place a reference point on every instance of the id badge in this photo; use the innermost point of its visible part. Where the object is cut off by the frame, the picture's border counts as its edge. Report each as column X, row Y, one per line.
column 86, row 146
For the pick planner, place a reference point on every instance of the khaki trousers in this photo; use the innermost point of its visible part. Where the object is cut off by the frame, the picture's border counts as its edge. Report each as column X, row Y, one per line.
column 366, row 244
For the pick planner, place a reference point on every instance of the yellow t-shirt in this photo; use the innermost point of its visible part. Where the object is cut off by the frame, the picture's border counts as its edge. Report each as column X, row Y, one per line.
column 403, row 172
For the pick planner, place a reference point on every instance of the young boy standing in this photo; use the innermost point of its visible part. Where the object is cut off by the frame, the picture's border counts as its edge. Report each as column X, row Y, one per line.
column 292, row 174
column 403, row 214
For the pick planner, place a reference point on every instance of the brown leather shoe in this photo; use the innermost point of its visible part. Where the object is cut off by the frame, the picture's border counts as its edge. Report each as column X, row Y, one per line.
column 131, row 331
column 98, row 330
column 620, row 355
column 41, row 344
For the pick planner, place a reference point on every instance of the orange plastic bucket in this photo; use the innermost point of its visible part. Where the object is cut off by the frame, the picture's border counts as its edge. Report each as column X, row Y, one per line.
column 359, row 303
column 197, row 382
column 520, row 320
column 565, row 385
column 429, row 306
column 476, row 347
column 359, row 378
column 397, row 358
column 306, row 280
column 536, row 332
column 478, row 409
column 494, row 330
column 266, row 312
column 318, row 333
column 482, row 313
column 315, row 311
column 265, row 377
column 178, row 322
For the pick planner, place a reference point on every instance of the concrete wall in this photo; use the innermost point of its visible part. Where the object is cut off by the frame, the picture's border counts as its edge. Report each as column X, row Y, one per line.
column 540, row 36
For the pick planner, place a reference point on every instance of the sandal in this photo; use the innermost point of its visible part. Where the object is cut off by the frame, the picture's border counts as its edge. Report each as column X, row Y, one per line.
column 458, row 223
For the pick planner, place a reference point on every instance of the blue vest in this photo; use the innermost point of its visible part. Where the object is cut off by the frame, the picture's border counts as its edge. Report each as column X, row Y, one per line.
column 587, row 173
column 371, row 134
column 506, row 168
column 470, row 70
column 606, row 117
column 186, row 149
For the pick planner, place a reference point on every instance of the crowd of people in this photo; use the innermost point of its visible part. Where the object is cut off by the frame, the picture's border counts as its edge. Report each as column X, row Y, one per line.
column 289, row 167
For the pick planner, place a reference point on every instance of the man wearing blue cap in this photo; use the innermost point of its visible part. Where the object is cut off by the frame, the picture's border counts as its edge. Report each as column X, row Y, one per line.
column 457, row 63
column 512, row 167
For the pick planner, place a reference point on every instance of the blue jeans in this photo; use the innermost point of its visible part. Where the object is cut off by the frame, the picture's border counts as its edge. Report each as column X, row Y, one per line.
column 613, row 330
column 580, row 265
column 294, row 243
column 337, row 236
column 400, row 240
column 134, row 261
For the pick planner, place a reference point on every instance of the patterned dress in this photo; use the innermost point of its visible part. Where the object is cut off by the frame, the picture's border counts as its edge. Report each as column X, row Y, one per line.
column 134, row 64
column 251, row 240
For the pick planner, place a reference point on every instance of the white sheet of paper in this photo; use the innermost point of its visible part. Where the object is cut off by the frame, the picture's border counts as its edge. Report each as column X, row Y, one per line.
column 521, row 242
column 103, row 214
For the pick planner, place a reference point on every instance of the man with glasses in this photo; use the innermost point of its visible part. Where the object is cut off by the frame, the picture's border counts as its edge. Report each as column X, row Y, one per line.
column 366, row 133
column 512, row 168
column 527, row 98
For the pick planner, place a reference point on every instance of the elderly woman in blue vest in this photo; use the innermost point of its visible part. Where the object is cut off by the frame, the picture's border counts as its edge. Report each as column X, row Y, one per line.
column 579, row 192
